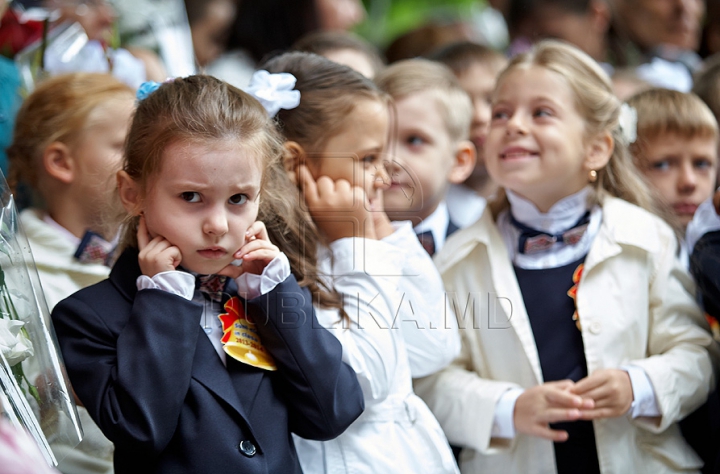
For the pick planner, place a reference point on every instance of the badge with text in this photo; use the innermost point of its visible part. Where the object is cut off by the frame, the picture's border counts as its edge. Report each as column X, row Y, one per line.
column 240, row 337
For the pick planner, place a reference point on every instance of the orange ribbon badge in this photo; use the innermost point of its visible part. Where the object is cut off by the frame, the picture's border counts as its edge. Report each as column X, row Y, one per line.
column 240, row 337
column 572, row 293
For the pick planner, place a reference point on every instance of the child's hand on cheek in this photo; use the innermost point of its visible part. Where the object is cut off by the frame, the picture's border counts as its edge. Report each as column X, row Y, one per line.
column 716, row 201
column 255, row 254
column 156, row 255
column 550, row 402
column 612, row 391
column 338, row 208
column 382, row 224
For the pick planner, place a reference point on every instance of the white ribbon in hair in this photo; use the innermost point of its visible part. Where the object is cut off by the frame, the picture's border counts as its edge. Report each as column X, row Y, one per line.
column 628, row 122
column 274, row 91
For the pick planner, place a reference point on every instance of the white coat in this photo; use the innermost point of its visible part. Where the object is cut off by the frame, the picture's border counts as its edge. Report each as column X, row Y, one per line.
column 397, row 432
column 635, row 305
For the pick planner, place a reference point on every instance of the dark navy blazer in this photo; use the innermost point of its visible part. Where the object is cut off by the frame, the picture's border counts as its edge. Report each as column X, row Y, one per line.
column 152, row 381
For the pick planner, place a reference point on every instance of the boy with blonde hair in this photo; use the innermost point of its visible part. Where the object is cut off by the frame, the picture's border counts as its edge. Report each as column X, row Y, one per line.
column 676, row 148
column 430, row 145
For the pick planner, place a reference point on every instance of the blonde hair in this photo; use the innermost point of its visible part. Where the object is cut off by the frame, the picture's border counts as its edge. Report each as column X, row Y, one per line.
column 413, row 76
column 664, row 111
column 195, row 109
column 600, row 108
column 57, row 111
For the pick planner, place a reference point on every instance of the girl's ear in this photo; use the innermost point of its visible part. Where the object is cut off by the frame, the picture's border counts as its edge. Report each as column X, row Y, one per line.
column 58, row 162
column 130, row 195
column 293, row 156
column 599, row 151
column 465, row 158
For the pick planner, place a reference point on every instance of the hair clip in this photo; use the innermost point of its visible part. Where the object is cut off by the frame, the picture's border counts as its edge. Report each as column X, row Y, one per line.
column 274, row 91
column 145, row 89
column 628, row 122
column 148, row 87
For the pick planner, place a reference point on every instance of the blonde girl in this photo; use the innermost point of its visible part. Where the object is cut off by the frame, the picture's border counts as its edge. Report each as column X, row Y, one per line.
column 187, row 361
column 391, row 319
column 67, row 147
column 582, row 343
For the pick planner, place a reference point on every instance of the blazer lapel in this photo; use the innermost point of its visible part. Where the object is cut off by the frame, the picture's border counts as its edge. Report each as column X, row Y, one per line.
column 209, row 370
column 508, row 290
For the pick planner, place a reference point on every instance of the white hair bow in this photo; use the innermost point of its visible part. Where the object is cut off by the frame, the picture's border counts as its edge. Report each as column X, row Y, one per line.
column 274, row 91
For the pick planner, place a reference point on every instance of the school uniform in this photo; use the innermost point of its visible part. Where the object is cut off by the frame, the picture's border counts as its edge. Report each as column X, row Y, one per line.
column 464, row 205
column 397, row 432
column 702, row 428
column 153, row 381
column 61, row 274
column 435, row 229
column 635, row 311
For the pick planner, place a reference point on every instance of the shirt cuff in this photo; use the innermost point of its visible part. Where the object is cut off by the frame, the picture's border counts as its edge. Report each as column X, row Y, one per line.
column 644, row 402
column 275, row 272
column 174, row 281
column 503, row 421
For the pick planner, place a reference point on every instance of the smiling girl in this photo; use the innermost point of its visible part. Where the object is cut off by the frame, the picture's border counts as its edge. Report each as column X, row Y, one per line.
column 596, row 347
column 172, row 387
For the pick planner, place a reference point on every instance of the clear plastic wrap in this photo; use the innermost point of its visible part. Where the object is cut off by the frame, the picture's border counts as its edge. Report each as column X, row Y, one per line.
column 35, row 392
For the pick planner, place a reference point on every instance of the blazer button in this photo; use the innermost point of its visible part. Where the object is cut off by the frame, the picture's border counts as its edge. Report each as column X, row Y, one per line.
column 595, row 327
column 247, row 448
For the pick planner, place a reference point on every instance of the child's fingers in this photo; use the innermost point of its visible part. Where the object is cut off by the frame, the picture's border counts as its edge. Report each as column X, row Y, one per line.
column 554, row 415
column 266, row 255
column 564, row 398
column 143, row 237
column 307, row 183
column 597, row 413
column 587, row 384
column 257, row 231
column 254, row 246
column 546, row 432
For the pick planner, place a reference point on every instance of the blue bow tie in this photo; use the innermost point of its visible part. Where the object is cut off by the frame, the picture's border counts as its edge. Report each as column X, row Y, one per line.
column 533, row 240
column 94, row 249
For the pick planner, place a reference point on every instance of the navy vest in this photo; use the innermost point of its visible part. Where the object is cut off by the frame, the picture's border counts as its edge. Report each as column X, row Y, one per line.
column 561, row 352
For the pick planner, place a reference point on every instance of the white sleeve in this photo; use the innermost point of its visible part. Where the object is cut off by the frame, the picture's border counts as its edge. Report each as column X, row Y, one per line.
column 174, row 281
column 504, row 418
column 275, row 272
column 424, row 315
column 644, row 401
column 358, row 270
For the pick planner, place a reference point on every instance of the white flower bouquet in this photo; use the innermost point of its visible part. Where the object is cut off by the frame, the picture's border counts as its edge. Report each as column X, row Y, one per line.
column 34, row 391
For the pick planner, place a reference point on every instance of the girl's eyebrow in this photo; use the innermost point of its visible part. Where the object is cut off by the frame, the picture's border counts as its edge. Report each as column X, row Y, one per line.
column 190, row 185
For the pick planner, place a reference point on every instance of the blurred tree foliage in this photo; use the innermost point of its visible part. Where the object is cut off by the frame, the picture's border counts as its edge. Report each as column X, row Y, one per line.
column 387, row 19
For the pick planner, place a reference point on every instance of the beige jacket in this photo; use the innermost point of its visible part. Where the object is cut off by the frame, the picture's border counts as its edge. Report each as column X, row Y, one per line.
column 636, row 307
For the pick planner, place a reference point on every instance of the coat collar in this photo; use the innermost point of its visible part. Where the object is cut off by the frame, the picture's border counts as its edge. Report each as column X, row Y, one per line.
column 125, row 272
column 623, row 225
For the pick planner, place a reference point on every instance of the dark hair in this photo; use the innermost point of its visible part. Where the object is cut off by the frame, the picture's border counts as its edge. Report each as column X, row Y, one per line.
column 265, row 26
column 328, row 95
column 322, row 42
column 460, row 56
